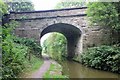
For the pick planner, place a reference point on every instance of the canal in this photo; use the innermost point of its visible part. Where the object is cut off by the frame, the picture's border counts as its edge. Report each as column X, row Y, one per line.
column 76, row 70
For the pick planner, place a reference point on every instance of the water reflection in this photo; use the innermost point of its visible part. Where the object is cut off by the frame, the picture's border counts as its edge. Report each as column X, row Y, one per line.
column 76, row 70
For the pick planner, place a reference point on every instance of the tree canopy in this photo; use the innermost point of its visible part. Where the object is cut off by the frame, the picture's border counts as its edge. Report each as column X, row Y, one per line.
column 70, row 4
column 3, row 8
column 55, row 46
column 105, row 14
column 20, row 5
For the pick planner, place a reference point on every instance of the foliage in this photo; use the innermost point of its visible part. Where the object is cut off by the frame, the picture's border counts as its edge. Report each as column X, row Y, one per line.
column 7, row 29
column 55, row 46
column 31, row 43
column 104, row 14
column 20, row 5
column 3, row 9
column 0, row 37
column 12, row 54
column 103, row 58
column 0, row 45
column 35, row 63
column 68, row 4
column 12, row 59
column 15, row 55
column 31, row 66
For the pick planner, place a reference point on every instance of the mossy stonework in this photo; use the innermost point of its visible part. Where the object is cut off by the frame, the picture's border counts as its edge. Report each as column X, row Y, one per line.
column 72, row 23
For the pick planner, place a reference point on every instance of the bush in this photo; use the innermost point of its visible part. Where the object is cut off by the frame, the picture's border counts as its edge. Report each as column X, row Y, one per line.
column 104, row 14
column 13, row 58
column 103, row 58
column 15, row 53
column 31, row 43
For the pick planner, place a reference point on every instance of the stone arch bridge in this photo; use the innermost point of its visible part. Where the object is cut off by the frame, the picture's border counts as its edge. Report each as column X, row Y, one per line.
column 72, row 23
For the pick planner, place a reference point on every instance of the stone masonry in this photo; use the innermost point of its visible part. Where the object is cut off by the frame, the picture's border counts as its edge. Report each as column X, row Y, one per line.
column 72, row 23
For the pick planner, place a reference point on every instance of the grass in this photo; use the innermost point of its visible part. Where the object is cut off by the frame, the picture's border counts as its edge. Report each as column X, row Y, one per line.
column 31, row 66
column 54, row 72
column 35, row 63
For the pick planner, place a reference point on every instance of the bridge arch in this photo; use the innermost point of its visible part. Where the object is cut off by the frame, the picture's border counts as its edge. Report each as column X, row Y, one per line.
column 71, row 32
column 37, row 23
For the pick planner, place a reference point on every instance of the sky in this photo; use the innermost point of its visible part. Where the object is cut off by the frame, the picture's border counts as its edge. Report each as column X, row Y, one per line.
column 44, row 4
column 50, row 4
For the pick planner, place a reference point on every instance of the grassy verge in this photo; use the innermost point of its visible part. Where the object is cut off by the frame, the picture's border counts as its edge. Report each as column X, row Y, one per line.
column 54, row 71
column 31, row 66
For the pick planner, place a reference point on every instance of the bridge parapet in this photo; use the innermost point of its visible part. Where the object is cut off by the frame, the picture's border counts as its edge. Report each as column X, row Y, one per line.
column 49, row 13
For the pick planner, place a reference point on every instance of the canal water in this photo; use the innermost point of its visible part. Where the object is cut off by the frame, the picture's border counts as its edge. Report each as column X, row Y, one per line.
column 77, row 70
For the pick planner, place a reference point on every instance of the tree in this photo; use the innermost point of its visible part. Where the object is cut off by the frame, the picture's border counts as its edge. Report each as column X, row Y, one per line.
column 55, row 46
column 105, row 14
column 72, row 4
column 20, row 5
column 3, row 9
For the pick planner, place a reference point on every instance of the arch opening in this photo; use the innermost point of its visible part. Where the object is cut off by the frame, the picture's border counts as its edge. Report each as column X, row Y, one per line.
column 54, row 44
column 71, row 33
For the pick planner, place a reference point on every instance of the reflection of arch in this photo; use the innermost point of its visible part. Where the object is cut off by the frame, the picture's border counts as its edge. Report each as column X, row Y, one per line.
column 71, row 33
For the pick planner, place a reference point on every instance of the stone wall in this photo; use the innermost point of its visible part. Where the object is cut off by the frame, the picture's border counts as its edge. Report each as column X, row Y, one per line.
column 48, row 13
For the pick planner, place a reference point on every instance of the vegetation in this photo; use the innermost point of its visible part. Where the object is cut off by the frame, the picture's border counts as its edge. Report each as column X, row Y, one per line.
column 20, row 5
column 70, row 4
column 31, row 43
column 12, row 54
column 54, row 72
column 31, row 66
column 15, row 55
column 55, row 46
column 3, row 8
column 14, row 5
column 104, row 14
column 103, row 58
column 0, row 52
